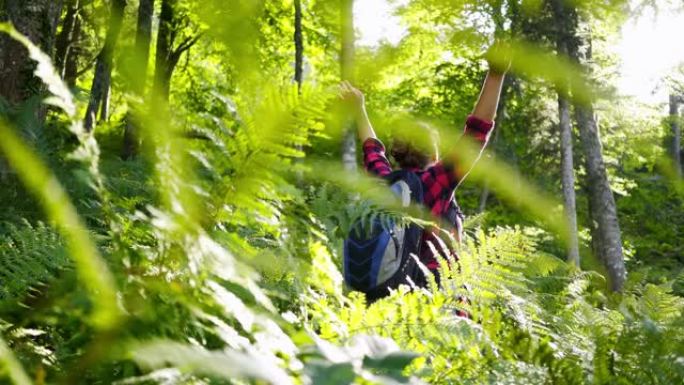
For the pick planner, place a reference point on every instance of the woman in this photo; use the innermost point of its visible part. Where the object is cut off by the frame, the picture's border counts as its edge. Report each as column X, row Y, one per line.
column 439, row 178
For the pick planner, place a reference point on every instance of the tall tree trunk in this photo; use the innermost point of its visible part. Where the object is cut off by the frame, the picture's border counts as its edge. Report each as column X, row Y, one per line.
column 596, row 244
column 36, row 19
column 568, row 179
column 676, row 134
column 67, row 36
column 299, row 45
column 566, row 41
column 167, row 56
column 347, row 71
column 106, row 95
column 73, row 53
column 604, row 217
column 103, row 67
column 138, row 74
column 299, row 61
column 604, row 211
column 164, row 46
column 604, row 224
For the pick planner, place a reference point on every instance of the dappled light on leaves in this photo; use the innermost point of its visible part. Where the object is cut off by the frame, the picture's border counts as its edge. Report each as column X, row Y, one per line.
column 193, row 232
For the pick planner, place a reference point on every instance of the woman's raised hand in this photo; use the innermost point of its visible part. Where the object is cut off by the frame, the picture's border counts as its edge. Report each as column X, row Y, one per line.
column 499, row 57
column 352, row 95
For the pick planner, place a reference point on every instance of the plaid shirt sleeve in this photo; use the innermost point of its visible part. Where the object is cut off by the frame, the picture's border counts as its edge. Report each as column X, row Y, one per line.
column 374, row 158
column 442, row 178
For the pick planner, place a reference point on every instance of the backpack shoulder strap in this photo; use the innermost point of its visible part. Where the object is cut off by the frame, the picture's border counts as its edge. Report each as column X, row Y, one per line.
column 453, row 212
column 411, row 179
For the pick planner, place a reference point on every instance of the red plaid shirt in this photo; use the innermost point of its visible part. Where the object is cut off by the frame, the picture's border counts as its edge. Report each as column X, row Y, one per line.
column 439, row 179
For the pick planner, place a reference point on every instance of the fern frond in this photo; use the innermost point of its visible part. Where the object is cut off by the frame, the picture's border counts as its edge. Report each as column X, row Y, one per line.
column 31, row 257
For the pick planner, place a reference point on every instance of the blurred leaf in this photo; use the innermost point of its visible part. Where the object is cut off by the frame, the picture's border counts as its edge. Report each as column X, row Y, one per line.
column 226, row 364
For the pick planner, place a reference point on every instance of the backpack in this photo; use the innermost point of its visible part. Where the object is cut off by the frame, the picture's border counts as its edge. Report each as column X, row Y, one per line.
column 377, row 253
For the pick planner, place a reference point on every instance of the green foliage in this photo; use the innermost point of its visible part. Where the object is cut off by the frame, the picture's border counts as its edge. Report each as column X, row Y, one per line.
column 43, row 184
column 33, row 256
column 532, row 321
column 214, row 256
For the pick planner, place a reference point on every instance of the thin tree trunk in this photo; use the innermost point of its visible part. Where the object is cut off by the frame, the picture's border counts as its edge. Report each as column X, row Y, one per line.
column 347, row 71
column 36, row 19
column 164, row 46
column 167, row 56
column 604, row 217
column 604, row 211
column 604, row 224
column 299, row 69
column 568, row 179
column 96, row 92
column 299, row 45
column 138, row 75
column 596, row 244
column 103, row 68
column 73, row 53
column 67, row 37
column 106, row 95
column 564, row 42
column 676, row 134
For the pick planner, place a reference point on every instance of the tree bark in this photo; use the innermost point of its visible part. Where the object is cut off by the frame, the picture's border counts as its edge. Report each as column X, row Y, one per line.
column 73, row 53
column 103, row 67
column 604, row 218
column 165, row 37
column 676, row 134
column 604, row 211
column 347, row 71
column 299, row 45
column 106, row 95
column 565, row 42
column 167, row 56
column 138, row 75
column 67, row 36
column 604, row 226
column 568, row 179
column 36, row 19
column 299, row 62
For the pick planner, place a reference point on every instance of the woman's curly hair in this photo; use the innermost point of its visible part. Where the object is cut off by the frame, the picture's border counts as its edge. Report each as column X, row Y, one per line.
column 417, row 149
column 408, row 156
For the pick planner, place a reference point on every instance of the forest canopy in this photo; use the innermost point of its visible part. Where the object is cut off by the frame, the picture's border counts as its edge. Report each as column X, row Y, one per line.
column 178, row 180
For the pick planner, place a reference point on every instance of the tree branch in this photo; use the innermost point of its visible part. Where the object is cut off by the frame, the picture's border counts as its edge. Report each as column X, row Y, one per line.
column 87, row 67
column 186, row 44
column 175, row 56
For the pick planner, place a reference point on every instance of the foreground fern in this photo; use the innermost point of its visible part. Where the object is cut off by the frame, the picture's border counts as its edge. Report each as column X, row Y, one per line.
column 519, row 333
column 224, row 255
column 31, row 257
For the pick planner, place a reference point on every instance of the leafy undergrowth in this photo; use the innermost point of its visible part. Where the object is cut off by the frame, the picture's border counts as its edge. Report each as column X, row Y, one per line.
column 533, row 320
column 214, row 259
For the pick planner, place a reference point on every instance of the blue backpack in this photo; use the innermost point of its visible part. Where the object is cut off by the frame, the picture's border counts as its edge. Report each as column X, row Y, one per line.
column 377, row 253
